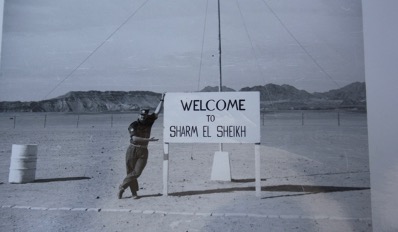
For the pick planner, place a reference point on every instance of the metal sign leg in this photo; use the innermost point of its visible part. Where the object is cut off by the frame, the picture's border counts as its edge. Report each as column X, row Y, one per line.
column 257, row 163
column 165, row 169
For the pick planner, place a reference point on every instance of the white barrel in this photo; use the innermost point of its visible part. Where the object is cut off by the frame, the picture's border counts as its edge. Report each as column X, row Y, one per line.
column 23, row 163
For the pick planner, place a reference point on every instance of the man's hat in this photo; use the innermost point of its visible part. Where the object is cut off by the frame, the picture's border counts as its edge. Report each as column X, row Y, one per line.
column 144, row 111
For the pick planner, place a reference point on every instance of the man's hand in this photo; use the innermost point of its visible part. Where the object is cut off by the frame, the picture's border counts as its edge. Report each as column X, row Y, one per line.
column 140, row 139
column 153, row 139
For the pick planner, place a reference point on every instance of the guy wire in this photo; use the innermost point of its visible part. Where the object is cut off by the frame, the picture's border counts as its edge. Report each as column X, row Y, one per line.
column 302, row 47
column 203, row 41
column 254, row 52
column 96, row 49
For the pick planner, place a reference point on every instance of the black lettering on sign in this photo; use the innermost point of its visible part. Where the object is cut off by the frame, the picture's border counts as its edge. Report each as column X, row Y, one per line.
column 211, row 105
column 183, row 131
column 231, row 131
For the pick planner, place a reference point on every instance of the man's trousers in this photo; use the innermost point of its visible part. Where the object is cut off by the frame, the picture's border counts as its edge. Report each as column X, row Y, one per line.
column 136, row 159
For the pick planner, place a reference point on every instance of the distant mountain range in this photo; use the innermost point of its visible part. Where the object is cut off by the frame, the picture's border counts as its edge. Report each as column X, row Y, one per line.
column 272, row 97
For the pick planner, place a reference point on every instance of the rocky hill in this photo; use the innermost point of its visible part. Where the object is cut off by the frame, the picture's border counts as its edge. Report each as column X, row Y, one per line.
column 90, row 101
column 272, row 92
column 272, row 97
column 287, row 97
column 216, row 89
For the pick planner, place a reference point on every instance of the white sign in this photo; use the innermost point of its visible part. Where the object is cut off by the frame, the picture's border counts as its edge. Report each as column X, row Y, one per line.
column 212, row 117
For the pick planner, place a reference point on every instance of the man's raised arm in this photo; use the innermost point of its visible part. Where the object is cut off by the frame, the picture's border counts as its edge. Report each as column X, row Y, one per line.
column 159, row 107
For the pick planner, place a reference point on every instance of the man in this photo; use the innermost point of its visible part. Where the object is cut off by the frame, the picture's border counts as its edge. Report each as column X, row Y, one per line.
column 137, row 152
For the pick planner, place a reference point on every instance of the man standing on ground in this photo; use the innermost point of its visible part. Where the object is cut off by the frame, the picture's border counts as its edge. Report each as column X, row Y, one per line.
column 137, row 152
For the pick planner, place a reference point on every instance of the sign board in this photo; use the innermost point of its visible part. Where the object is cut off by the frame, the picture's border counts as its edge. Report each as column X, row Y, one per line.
column 212, row 117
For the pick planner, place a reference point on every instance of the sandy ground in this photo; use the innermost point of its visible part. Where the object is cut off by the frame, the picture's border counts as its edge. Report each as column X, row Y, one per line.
column 314, row 178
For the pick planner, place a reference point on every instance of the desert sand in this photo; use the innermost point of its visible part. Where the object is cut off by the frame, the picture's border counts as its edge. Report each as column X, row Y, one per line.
column 315, row 177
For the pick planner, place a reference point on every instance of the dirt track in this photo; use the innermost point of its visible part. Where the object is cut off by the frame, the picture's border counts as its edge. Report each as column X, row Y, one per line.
column 79, row 169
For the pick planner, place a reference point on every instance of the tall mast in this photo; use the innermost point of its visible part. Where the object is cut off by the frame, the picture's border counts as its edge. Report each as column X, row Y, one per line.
column 219, row 46
column 219, row 55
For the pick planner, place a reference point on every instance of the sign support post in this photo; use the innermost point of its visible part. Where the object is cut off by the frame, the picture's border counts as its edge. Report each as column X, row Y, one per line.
column 165, row 169
column 257, row 163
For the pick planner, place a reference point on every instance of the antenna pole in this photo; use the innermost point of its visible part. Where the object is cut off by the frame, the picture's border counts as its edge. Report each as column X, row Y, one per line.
column 219, row 46
column 219, row 55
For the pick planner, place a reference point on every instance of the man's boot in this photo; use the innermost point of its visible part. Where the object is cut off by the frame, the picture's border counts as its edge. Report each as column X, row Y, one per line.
column 135, row 195
column 120, row 193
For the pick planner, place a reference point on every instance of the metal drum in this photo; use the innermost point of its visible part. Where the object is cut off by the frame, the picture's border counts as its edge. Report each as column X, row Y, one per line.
column 23, row 163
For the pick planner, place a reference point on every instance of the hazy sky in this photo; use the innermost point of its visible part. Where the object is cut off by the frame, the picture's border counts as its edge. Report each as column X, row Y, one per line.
column 51, row 47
